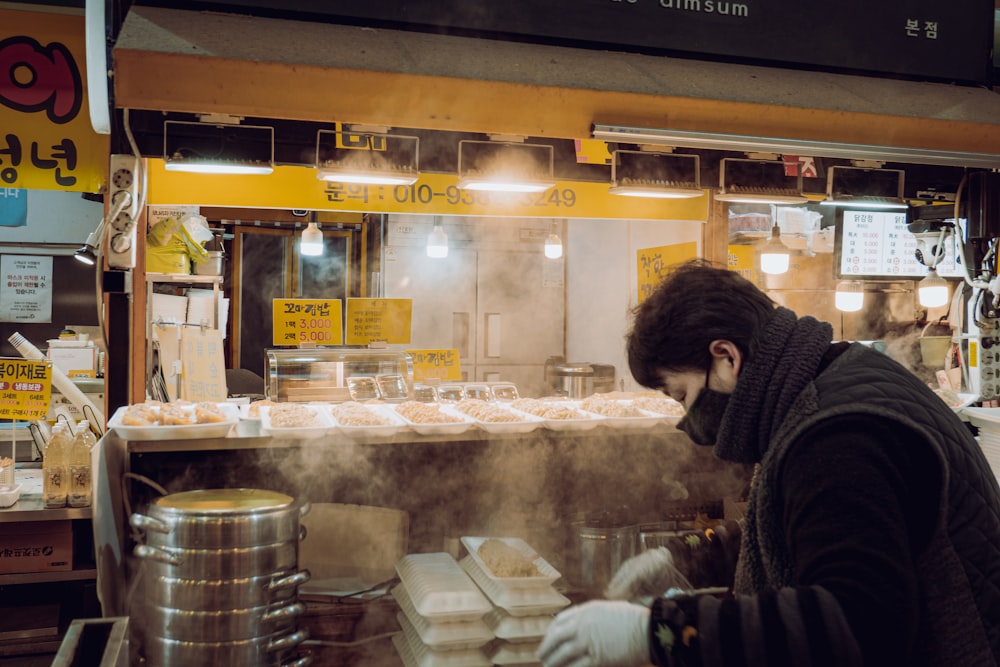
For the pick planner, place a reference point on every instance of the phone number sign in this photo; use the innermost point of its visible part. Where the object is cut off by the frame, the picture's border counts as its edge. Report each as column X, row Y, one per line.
column 307, row 322
column 25, row 388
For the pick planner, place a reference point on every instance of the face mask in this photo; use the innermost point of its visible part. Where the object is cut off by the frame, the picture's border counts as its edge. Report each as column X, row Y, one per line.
column 701, row 423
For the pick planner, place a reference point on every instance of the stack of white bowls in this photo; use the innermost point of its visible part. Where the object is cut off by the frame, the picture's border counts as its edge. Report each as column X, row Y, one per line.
column 523, row 607
column 441, row 614
column 987, row 420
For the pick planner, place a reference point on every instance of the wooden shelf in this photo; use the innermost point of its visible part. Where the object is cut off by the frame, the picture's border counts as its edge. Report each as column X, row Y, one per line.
column 47, row 577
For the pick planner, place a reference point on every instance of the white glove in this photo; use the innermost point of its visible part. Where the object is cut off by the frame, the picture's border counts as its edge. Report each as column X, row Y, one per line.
column 599, row 633
column 645, row 576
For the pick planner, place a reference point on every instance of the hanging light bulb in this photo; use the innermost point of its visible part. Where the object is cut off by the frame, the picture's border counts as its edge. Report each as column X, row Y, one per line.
column 774, row 256
column 437, row 242
column 850, row 296
column 553, row 244
column 312, row 241
column 932, row 291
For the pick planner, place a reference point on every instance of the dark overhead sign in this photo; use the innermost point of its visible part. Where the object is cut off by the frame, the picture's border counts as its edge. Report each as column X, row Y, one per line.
column 916, row 39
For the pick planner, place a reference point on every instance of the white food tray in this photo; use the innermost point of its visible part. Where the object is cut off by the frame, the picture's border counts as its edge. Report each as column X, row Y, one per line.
column 445, row 428
column 516, row 601
column 376, row 431
column 525, row 424
column 987, row 419
column 587, row 422
column 416, row 654
column 439, row 589
column 322, row 424
column 9, row 496
column 508, row 653
column 517, row 628
column 245, row 414
column 177, row 432
column 546, row 573
column 441, row 635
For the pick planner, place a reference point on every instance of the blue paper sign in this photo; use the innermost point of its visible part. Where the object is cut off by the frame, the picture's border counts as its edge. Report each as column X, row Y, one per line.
column 13, row 207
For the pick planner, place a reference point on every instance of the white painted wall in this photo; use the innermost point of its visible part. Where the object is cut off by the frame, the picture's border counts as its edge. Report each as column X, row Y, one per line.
column 601, row 283
column 55, row 217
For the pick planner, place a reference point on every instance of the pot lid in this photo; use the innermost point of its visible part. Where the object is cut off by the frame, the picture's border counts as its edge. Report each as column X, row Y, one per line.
column 223, row 500
column 574, row 369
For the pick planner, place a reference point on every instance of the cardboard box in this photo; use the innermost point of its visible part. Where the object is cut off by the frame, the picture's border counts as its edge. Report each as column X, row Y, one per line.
column 36, row 546
column 75, row 361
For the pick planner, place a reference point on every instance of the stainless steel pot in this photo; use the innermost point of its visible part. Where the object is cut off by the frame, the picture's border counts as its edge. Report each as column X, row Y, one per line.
column 277, row 650
column 221, row 518
column 202, row 594
column 218, row 563
column 575, row 380
column 220, row 626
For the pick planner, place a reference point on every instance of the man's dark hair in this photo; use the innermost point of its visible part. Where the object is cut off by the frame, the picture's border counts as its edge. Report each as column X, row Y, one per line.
column 695, row 304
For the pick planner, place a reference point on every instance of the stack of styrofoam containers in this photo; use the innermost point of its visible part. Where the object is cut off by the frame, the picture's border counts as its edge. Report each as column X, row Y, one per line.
column 441, row 614
column 523, row 607
column 987, row 420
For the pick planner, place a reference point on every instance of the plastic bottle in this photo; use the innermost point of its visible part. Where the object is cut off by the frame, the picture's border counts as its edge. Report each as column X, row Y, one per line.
column 55, row 468
column 80, row 485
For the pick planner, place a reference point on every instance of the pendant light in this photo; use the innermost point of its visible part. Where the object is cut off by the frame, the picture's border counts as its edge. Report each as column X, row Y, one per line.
column 437, row 242
column 850, row 296
column 553, row 244
column 932, row 291
column 775, row 255
column 311, row 243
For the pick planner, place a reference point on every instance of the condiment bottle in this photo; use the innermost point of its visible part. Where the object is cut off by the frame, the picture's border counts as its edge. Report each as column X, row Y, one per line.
column 55, row 469
column 79, row 466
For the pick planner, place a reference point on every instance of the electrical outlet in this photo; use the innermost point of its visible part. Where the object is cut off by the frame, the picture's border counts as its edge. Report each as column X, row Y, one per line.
column 123, row 186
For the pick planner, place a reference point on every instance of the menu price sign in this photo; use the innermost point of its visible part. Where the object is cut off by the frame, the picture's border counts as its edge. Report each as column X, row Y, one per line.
column 307, row 322
column 379, row 320
column 204, row 366
column 878, row 244
column 652, row 264
column 436, row 365
column 25, row 388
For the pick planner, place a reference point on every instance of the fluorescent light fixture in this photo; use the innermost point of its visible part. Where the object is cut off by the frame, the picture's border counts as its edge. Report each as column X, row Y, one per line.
column 659, row 175
column 367, row 157
column 850, row 296
column 865, row 188
column 220, row 147
column 437, row 242
column 748, row 181
column 553, row 244
column 746, row 143
column 505, row 166
column 932, row 291
column 311, row 243
column 96, row 50
column 775, row 255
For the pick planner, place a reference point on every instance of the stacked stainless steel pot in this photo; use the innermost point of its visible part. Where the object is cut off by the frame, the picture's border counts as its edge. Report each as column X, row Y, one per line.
column 220, row 579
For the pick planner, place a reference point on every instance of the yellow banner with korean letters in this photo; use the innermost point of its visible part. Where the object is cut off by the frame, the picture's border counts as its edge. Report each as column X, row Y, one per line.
column 307, row 322
column 652, row 264
column 436, row 365
column 379, row 320
column 25, row 388
column 291, row 187
column 46, row 139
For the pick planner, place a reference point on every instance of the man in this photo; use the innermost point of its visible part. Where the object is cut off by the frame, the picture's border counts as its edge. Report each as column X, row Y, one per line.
column 872, row 534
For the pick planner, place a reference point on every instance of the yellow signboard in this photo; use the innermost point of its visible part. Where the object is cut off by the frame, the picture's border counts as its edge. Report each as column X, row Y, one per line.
column 203, row 377
column 379, row 320
column 292, row 187
column 652, row 264
column 25, row 388
column 741, row 259
column 307, row 322
column 46, row 139
column 436, row 365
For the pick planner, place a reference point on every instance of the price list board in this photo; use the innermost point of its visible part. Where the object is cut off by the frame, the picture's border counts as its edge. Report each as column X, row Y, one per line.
column 877, row 244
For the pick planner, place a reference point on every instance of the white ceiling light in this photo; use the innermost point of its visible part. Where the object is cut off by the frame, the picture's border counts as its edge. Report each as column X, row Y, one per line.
column 864, row 188
column 367, row 157
column 311, row 243
column 218, row 145
column 850, row 296
column 505, row 166
column 437, row 242
column 749, row 181
column 774, row 255
column 932, row 291
column 652, row 174
column 553, row 244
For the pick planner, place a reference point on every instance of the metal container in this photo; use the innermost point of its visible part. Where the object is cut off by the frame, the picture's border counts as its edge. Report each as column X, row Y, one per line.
column 604, row 378
column 574, row 380
column 201, row 594
column 218, row 563
column 211, row 266
column 276, row 650
column 223, row 625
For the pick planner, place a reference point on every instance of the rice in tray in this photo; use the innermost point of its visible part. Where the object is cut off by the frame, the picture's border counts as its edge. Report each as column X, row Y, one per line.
column 610, row 407
column 479, row 409
column 425, row 413
column 357, row 414
column 547, row 410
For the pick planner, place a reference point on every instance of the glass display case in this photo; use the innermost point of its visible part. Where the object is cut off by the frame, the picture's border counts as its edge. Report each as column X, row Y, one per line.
column 338, row 374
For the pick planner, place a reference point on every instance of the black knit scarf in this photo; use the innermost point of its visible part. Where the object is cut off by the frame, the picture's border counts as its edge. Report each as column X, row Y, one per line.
column 789, row 355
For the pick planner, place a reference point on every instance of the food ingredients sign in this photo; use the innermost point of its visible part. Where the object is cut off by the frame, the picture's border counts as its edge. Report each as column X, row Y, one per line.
column 26, row 291
column 25, row 388
column 307, row 322
column 379, row 320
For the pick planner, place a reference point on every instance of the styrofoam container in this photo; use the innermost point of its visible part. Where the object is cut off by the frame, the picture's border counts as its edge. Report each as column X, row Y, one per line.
column 176, row 432
column 321, row 425
column 517, row 629
column 510, row 653
column 546, row 573
column 442, row 635
column 439, row 589
column 416, row 654
column 516, row 601
column 462, row 424
column 10, row 496
column 395, row 423
column 987, row 419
